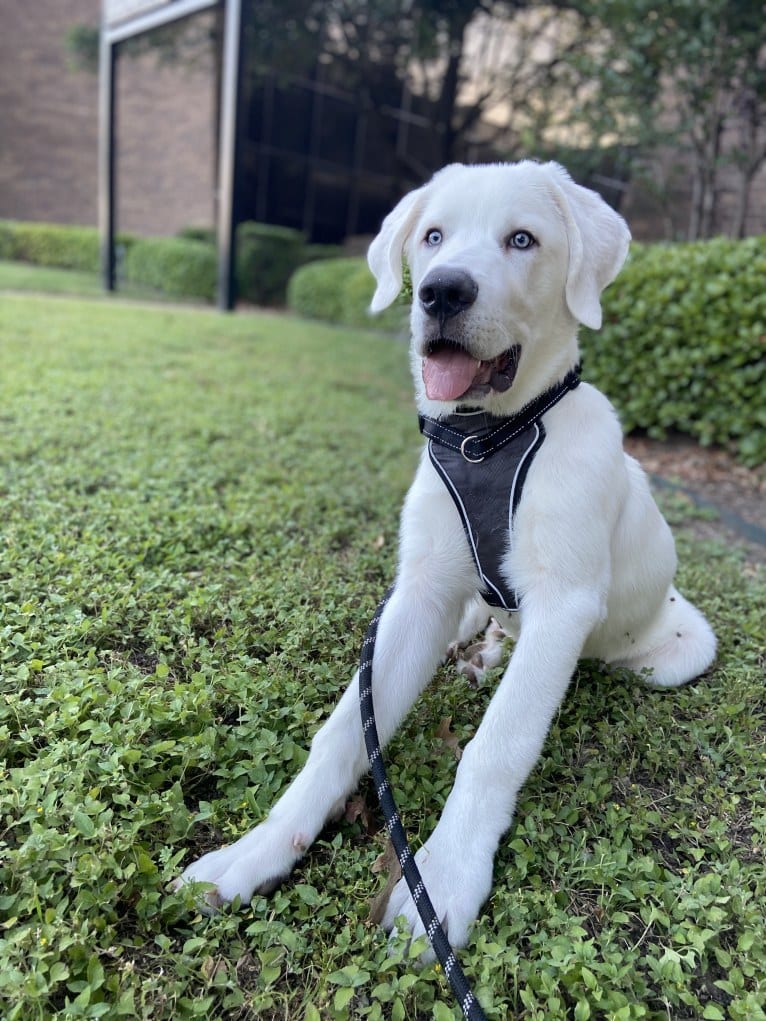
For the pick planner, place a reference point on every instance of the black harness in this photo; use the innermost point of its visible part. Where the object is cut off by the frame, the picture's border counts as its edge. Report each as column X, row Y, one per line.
column 483, row 461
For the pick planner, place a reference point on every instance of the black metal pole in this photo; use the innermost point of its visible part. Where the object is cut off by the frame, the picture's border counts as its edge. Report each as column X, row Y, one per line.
column 106, row 162
column 227, row 158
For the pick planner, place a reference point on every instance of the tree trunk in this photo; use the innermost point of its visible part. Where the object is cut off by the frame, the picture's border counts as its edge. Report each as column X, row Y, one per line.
column 707, row 151
column 697, row 199
column 750, row 112
column 450, row 86
column 709, row 202
column 739, row 227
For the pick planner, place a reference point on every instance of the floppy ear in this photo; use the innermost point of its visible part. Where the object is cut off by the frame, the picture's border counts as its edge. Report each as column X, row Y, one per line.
column 598, row 244
column 384, row 256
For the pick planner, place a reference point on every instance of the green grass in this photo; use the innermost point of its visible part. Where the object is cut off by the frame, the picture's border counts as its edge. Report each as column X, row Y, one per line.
column 23, row 277
column 193, row 508
column 20, row 276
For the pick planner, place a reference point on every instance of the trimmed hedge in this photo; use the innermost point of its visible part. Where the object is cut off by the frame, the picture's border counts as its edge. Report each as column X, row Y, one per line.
column 315, row 290
column 683, row 345
column 173, row 266
column 6, row 240
column 340, row 291
column 206, row 234
column 267, row 256
column 50, row 244
column 184, row 266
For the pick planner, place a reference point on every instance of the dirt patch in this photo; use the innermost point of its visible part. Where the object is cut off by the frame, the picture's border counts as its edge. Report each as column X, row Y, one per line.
column 710, row 477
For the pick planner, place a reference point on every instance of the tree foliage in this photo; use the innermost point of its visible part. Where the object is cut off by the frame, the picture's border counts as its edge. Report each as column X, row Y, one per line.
column 375, row 49
column 682, row 74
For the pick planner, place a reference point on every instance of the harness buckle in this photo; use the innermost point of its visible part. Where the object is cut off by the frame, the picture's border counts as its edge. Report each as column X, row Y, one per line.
column 471, row 460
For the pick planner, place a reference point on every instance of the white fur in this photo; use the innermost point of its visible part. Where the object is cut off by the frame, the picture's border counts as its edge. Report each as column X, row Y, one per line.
column 590, row 557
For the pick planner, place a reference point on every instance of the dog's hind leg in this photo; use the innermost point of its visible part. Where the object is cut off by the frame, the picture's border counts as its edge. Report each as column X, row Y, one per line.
column 475, row 619
column 678, row 646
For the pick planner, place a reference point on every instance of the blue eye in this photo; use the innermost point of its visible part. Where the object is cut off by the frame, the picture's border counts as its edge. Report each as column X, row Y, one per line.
column 521, row 239
column 433, row 237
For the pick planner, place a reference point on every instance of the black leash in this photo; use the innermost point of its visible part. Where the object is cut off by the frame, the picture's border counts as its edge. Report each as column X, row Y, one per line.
column 445, row 954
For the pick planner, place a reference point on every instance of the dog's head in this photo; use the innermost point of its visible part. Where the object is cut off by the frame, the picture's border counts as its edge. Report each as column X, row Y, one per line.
column 506, row 260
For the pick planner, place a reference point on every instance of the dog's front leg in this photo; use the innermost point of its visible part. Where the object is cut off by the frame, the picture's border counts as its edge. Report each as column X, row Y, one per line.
column 412, row 635
column 456, row 861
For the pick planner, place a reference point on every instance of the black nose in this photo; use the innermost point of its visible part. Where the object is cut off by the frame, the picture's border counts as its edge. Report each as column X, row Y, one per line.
column 445, row 293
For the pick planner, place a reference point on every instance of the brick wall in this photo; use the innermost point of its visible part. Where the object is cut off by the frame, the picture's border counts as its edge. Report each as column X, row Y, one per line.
column 49, row 128
column 48, row 115
column 165, row 145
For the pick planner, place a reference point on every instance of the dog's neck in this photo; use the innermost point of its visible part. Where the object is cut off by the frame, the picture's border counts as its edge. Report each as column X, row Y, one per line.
column 478, row 434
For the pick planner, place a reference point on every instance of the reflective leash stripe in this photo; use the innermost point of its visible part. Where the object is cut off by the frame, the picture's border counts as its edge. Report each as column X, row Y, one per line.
column 445, row 954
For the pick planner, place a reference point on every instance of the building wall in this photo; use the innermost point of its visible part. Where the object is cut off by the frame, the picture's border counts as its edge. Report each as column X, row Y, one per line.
column 48, row 115
column 165, row 161
column 49, row 128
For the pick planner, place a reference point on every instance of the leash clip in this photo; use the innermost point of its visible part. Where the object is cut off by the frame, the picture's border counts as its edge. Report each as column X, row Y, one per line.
column 471, row 460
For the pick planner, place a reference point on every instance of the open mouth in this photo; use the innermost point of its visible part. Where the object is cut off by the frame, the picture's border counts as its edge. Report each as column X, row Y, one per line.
column 450, row 372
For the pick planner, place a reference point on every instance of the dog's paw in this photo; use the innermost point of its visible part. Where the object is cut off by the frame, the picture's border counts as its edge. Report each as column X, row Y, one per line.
column 457, row 889
column 473, row 661
column 257, row 863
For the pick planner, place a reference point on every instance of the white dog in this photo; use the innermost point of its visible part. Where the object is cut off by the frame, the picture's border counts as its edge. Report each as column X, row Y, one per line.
column 506, row 260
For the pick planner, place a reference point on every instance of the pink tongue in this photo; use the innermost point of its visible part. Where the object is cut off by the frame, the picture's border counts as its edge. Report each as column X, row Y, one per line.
column 448, row 374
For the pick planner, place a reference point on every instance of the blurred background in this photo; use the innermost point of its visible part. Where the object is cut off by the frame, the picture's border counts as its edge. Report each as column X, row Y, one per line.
column 343, row 105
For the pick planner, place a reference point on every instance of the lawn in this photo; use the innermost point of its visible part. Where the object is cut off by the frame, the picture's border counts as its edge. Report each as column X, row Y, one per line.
column 199, row 515
column 23, row 277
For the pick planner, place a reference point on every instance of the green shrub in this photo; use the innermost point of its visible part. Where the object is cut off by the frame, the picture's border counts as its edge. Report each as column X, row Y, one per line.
column 48, row 244
column 357, row 295
column 173, row 266
column 267, row 256
column 206, row 234
column 57, row 246
column 314, row 253
column 682, row 345
column 340, row 291
column 316, row 290
column 6, row 240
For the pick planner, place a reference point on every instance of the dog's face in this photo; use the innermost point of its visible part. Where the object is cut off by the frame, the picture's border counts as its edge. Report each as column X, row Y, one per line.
column 505, row 260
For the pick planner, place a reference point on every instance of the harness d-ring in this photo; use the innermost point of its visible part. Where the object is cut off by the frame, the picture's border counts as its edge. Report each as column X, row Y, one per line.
column 471, row 460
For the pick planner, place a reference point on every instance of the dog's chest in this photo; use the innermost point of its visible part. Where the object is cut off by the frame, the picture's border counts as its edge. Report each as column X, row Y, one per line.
column 486, row 494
